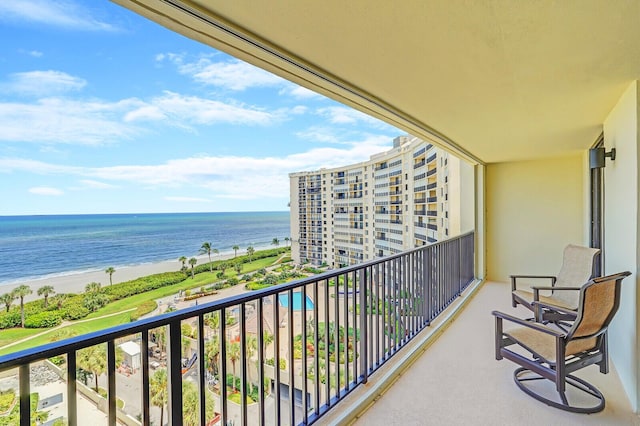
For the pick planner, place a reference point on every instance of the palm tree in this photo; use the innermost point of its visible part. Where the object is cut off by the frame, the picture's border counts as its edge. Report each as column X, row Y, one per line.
column 183, row 260
column 215, row 251
column 286, row 241
column 22, row 291
column 46, row 291
column 193, row 262
column 60, row 298
column 212, row 351
column 159, row 394
column 251, row 343
column 92, row 287
column 250, row 252
column 267, row 339
column 190, row 404
column 94, row 299
column 94, row 360
column 7, row 299
column 206, row 249
column 233, row 352
column 110, row 270
column 235, row 249
column 275, row 242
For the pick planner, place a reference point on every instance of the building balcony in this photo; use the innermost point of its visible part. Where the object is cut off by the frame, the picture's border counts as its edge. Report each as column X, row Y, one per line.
column 432, row 172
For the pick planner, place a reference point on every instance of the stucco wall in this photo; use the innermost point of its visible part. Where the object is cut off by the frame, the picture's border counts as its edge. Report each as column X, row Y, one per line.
column 533, row 210
column 621, row 233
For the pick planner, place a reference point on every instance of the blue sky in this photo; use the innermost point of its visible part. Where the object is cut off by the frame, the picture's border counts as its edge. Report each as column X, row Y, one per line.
column 102, row 111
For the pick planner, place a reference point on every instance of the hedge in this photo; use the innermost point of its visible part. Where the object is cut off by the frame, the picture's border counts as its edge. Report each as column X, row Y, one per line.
column 44, row 319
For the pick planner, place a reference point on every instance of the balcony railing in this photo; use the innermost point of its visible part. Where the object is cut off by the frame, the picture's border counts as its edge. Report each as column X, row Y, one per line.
column 330, row 333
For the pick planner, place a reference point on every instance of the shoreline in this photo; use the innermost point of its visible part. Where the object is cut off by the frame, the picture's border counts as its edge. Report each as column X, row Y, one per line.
column 76, row 282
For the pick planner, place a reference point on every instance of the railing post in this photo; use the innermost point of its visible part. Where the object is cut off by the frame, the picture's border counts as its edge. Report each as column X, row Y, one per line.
column 175, row 373
column 111, row 381
column 72, row 398
column 364, row 332
column 25, row 396
column 144, row 354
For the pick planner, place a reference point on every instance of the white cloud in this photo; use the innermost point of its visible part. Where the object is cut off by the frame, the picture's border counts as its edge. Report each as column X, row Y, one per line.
column 181, row 110
column 94, row 184
column 53, row 120
column 45, row 190
column 238, row 177
column 319, row 134
column 96, row 122
column 299, row 92
column 65, row 14
column 34, row 53
column 42, row 83
column 231, row 74
column 345, row 115
column 235, row 75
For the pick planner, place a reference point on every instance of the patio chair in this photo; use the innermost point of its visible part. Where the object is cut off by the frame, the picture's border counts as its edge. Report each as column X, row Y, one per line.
column 577, row 268
column 547, row 355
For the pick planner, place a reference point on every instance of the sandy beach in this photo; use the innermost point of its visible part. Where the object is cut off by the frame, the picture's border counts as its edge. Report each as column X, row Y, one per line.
column 75, row 283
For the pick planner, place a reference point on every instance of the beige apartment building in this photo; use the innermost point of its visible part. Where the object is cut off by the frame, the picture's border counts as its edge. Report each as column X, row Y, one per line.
column 408, row 196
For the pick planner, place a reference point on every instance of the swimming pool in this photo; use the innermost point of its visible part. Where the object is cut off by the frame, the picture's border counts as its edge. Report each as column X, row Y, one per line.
column 297, row 301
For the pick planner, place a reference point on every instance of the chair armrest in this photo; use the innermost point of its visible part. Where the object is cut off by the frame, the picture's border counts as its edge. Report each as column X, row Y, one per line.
column 533, row 325
column 554, row 288
column 515, row 277
column 555, row 308
column 536, row 290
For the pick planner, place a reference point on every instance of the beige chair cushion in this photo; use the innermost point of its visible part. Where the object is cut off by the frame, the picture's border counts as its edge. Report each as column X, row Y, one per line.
column 544, row 344
column 576, row 270
column 551, row 300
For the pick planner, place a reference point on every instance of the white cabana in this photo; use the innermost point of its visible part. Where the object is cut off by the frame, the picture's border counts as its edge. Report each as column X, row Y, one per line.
column 131, row 352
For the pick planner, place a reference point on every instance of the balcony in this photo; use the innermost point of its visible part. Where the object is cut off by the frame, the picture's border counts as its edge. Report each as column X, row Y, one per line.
column 363, row 340
column 483, row 387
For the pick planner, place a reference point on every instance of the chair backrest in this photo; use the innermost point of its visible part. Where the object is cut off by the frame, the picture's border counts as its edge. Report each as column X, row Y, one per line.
column 577, row 269
column 599, row 301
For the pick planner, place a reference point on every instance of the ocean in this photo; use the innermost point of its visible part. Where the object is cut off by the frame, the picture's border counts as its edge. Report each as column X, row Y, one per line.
column 34, row 247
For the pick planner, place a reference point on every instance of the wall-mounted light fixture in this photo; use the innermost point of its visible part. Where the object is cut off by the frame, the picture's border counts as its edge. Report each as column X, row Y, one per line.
column 597, row 156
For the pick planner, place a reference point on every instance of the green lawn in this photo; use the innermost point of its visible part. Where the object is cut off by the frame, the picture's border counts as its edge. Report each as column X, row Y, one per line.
column 203, row 279
column 78, row 328
column 13, row 334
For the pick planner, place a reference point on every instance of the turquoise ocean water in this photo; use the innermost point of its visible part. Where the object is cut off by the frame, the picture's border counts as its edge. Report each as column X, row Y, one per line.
column 34, row 247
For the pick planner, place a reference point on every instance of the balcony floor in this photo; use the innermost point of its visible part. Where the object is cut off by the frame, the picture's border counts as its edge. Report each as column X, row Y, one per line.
column 457, row 381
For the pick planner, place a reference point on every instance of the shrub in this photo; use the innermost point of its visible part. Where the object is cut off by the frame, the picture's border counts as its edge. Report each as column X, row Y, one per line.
column 95, row 301
column 44, row 319
column 220, row 275
column 246, row 277
column 10, row 319
column 233, row 281
column 74, row 309
column 270, row 279
column 7, row 398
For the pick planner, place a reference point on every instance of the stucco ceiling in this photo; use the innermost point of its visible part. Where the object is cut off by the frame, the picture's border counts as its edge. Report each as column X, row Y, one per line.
column 504, row 80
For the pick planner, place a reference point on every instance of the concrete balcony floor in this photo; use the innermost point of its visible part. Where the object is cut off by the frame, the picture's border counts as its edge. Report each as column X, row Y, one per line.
column 457, row 380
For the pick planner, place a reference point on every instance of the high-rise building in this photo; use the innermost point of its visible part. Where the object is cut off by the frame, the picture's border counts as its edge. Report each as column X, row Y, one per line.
column 408, row 196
